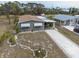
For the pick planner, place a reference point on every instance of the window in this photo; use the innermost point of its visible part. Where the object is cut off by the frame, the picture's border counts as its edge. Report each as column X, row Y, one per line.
column 38, row 24
column 25, row 25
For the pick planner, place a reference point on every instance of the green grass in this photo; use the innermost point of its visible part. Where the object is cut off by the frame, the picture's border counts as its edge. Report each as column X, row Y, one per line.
column 50, row 17
column 74, row 37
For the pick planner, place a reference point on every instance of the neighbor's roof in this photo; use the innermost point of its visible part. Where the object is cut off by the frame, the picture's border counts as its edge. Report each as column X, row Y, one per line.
column 34, row 18
column 64, row 17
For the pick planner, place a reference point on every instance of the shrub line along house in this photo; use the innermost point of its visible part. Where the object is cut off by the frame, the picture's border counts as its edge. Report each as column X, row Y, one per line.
column 33, row 23
column 67, row 19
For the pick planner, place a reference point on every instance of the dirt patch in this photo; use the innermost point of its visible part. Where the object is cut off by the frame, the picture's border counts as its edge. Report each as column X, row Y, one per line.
column 4, row 24
column 40, row 39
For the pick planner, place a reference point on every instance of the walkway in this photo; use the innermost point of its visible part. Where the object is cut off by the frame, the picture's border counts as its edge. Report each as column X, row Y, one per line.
column 66, row 45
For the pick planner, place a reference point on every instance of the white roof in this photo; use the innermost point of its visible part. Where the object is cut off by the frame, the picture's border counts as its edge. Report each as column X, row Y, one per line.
column 76, row 15
column 41, row 17
column 45, row 19
column 49, row 21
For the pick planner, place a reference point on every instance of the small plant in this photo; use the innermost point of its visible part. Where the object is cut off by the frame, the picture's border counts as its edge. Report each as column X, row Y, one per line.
column 17, row 28
column 16, row 19
column 8, row 35
column 4, row 36
column 40, row 53
column 12, row 40
column 50, row 17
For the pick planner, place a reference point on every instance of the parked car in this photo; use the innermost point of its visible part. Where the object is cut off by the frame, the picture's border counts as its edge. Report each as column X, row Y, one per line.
column 76, row 29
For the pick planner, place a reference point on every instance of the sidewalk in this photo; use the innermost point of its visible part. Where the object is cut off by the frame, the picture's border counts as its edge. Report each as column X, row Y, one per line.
column 66, row 45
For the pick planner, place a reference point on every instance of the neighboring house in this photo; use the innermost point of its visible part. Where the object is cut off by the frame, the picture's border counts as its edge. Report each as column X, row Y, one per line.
column 76, row 28
column 66, row 19
column 66, row 10
column 33, row 23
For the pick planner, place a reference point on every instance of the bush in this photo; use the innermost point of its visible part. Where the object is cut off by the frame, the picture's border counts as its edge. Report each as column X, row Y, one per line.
column 50, row 17
column 40, row 53
column 16, row 19
column 4, row 36
column 12, row 40
column 8, row 35
column 17, row 29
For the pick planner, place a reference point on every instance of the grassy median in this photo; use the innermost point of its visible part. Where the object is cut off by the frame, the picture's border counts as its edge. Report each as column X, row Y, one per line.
column 69, row 34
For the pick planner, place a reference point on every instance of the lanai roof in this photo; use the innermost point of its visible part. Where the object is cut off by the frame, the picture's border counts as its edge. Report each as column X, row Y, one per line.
column 45, row 19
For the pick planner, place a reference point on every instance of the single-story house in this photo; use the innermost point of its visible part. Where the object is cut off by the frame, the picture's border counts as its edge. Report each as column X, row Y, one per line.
column 32, row 23
column 66, row 19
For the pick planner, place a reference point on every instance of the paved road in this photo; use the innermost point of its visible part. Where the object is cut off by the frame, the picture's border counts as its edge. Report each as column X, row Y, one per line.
column 66, row 45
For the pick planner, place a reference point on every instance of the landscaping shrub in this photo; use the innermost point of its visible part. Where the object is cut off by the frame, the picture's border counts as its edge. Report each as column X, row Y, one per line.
column 4, row 36
column 16, row 19
column 50, row 17
column 8, row 35
column 17, row 28
column 12, row 40
column 40, row 53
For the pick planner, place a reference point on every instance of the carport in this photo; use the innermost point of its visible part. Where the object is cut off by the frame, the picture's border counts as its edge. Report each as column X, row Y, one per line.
column 48, row 24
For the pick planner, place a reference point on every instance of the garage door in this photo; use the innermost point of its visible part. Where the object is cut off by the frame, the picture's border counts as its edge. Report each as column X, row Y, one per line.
column 25, row 25
column 38, row 24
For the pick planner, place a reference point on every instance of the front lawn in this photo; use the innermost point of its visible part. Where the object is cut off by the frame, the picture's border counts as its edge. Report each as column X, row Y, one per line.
column 40, row 40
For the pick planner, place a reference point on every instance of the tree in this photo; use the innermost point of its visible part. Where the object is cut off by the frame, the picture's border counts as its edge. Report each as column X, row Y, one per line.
column 39, row 9
column 73, row 11
column 7, row 10
column 8, row 17
column 16, row 10
column 34, row 8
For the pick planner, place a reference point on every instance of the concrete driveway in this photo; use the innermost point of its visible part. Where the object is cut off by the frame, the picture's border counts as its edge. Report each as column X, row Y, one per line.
column 66, row 45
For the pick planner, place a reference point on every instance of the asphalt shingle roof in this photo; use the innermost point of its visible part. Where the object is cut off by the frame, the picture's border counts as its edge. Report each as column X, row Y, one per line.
column 34, row 18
